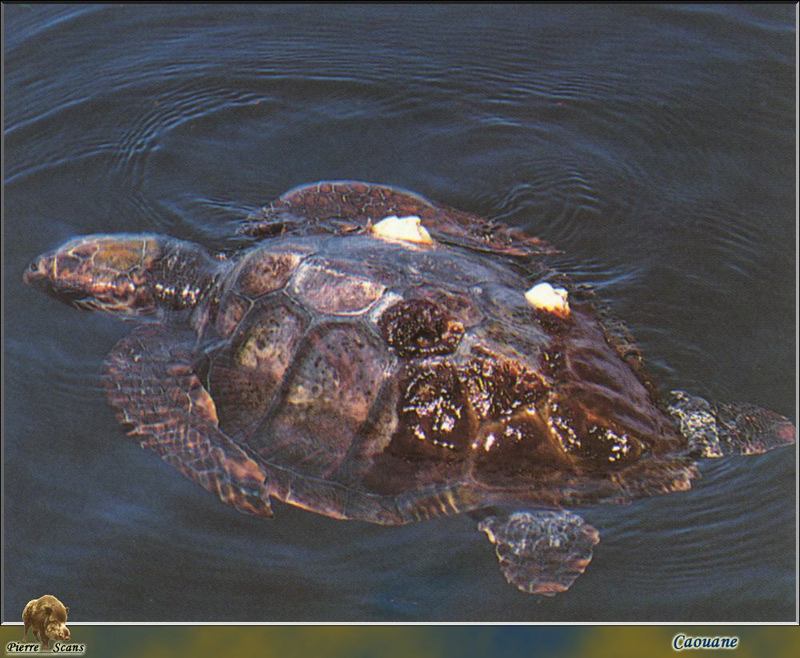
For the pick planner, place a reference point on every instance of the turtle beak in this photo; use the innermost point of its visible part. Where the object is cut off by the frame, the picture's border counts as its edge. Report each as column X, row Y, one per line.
column 36, row 274
column 41, row 274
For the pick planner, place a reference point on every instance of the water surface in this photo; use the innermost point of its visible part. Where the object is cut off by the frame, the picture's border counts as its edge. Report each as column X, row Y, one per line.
column 654, row 145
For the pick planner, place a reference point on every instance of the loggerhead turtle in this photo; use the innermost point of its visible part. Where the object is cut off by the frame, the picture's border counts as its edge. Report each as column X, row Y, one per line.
column 370, row 355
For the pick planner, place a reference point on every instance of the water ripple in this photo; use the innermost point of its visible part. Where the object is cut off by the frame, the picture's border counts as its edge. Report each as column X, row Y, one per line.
column 652, row 144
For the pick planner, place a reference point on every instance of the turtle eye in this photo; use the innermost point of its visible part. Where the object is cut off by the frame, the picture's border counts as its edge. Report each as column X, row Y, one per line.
column 34, row 266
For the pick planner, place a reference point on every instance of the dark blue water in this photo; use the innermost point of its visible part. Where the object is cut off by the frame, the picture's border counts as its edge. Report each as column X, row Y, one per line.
column 654, row 145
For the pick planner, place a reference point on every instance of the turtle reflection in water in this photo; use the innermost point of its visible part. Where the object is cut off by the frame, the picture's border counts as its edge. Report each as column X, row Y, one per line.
column 370, row 355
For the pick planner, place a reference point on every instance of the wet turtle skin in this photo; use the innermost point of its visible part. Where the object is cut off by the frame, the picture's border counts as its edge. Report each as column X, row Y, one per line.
column 386, row 381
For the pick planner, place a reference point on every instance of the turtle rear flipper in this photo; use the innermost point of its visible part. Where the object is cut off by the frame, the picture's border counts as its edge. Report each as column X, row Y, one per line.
column 152, row 385
column 541, row 552
column 720, row 429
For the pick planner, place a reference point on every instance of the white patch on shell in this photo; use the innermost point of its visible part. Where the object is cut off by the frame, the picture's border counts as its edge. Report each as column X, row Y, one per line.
column 403, row 229
column 487, row 446
column 545, row 297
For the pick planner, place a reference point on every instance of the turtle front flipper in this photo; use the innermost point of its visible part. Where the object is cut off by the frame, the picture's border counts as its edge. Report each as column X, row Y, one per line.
column 716, row 429
column 541, row 552
column 152, row 385
column 342, row 207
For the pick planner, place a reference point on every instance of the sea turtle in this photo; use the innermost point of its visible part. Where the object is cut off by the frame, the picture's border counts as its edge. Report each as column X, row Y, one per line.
column 367, row 354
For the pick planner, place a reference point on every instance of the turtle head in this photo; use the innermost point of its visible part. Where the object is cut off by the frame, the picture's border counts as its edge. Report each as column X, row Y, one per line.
column 129, row 275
